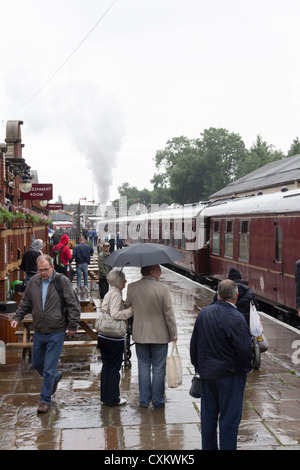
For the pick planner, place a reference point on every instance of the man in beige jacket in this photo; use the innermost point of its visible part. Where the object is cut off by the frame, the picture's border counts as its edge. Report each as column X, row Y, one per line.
column 154, row 326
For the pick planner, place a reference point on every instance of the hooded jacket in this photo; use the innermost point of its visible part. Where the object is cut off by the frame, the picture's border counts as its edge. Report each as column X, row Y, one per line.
column 28, row 263
column 65, row 254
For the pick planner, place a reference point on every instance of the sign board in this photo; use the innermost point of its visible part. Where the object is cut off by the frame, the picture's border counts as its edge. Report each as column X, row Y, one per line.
column 42, row 192
column 55, row 207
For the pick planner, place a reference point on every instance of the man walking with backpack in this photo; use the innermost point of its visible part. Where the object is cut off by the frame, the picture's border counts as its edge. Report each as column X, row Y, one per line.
column 61, row 255
column 43, row 301
column 82, row 254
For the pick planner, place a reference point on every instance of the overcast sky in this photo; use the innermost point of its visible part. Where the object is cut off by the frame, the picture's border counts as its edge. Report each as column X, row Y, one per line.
column 149, row 71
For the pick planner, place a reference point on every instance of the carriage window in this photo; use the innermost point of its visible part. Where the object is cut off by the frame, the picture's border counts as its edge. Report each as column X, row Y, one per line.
column 216, row 238
column 184, row 234
column 228, row 251
column 278, row 254
column 244, row 237
column 177, row 234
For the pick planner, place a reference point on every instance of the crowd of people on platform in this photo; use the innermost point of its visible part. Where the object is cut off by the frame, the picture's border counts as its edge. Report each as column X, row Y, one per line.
column 220, row 348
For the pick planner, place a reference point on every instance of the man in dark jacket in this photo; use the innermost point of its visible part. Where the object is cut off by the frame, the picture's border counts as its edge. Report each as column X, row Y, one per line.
column 245, row 294
column 221, row 351
column 28, row 263
column 43, row 301
column 104, row 269
column 82, row 254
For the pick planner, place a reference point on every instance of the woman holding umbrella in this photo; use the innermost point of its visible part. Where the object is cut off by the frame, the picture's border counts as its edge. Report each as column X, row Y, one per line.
column 112, row 348
column 154, row 324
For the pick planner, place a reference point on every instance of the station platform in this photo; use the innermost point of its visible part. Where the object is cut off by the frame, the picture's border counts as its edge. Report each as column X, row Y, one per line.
column 77, row 420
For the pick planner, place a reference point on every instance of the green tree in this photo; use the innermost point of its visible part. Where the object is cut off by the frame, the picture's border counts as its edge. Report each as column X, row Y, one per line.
column 167, row 159
column 260, row 154
column 221, row 153
column 135, row 195
column 190, row 170
column 295, row 148
column 194, row 169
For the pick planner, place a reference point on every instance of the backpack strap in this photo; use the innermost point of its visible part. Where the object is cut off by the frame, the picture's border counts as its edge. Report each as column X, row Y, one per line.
column 58, row 287
column 59, row 251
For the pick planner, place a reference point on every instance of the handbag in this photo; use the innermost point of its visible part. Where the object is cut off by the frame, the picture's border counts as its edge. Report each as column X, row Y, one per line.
column 108, row 326
column 195, row 390
column 174, row 367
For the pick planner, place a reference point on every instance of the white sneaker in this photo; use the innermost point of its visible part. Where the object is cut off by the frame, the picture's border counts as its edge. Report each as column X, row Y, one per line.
column 122, row 401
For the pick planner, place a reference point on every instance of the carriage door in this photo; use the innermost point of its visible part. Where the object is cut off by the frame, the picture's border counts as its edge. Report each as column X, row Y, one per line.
column 278, row 263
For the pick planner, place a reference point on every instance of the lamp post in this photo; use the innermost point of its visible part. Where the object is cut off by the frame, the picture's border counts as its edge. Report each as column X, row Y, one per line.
column 18, row 167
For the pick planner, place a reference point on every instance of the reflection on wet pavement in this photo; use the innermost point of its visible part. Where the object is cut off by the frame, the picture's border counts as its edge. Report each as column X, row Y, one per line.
column 271, row 412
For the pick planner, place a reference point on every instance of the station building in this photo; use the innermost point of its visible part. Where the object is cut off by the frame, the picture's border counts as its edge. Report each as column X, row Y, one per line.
column 20, row 220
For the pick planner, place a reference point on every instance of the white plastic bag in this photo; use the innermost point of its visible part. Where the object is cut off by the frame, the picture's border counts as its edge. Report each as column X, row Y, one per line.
column 256, row 327
column 174, row 367
column 262, row 343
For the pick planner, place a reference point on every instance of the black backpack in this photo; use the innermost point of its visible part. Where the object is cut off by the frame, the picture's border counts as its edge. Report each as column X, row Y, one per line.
column 59, row 288
column 58, row 265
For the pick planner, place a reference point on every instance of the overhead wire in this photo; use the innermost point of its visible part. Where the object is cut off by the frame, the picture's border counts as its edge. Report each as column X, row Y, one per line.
column 67, row 60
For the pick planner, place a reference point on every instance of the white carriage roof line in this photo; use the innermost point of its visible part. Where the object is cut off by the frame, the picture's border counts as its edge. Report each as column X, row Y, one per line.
column 183, row 212
column 279, row 202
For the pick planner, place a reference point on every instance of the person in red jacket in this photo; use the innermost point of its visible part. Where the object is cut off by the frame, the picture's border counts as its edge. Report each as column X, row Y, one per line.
column 65, row 254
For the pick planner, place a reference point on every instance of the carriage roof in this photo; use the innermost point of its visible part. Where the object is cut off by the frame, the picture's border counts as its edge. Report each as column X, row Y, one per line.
column 279, row 202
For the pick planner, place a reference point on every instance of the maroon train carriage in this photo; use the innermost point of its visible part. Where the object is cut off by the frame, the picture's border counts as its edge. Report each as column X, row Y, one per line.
column 181, row 227
column 258, row 235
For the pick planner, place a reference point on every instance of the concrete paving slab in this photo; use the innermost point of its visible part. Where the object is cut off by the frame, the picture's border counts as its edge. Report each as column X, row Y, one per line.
column 77, row 420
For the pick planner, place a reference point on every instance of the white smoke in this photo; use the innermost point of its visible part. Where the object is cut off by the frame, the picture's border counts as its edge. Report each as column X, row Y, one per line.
column 99, row 142
column 86, row 119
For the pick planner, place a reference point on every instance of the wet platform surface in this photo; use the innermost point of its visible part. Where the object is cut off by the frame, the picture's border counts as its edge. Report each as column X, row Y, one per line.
column 77, row 421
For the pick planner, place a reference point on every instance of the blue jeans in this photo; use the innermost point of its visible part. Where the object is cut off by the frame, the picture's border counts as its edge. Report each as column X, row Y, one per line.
column 45, row 356
column 82, row 267
column 152, row 355
column 221, row 400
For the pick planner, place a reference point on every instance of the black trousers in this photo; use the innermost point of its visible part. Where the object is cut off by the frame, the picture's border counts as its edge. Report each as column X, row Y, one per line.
column 112, row 355
column 103, row 287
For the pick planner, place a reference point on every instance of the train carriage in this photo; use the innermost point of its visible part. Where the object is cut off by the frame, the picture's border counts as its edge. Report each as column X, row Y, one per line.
column 180, row 227
column 258, row 235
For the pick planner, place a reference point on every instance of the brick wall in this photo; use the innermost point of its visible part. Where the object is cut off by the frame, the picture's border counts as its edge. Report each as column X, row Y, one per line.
column 16, row 238
column 13, row 243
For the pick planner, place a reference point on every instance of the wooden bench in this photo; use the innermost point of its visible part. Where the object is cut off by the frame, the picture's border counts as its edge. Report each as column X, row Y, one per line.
column 97, row 303
column 87, row 321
